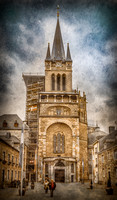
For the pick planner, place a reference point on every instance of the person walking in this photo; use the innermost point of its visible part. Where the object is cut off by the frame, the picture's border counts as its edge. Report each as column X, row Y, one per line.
column 46, row 185
column 52, row 187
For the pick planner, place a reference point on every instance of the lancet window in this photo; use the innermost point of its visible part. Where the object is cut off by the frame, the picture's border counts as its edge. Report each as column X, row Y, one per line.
column 53, row 81
column 58, row 82
column 63, row 82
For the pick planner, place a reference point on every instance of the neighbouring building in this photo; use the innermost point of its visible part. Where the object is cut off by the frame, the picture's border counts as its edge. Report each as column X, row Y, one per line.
column 108, row 157
column 9, row 159
column 94, row 136
column 11, row 123
column 57, row 118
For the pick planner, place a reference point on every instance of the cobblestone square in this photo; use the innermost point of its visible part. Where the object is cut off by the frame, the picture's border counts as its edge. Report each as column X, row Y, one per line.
column 63, row 191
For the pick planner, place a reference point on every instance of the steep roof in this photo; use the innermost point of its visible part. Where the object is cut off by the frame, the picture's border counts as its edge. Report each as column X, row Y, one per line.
column 58, row 52
column 48, row 57
column 68, row 57
column 108, row 141
column 11, row 141
column 10, row 119
column 96, row 135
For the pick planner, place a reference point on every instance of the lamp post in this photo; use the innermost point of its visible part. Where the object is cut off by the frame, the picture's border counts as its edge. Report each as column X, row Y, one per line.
column 91, row 185
column 82, row 171
column 21, row 157
column 38, row 111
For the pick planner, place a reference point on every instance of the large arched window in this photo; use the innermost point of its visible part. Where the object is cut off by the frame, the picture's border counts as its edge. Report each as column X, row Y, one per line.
column 53, row 81
column 59, row 143
column 63, row 82
column 58, row 82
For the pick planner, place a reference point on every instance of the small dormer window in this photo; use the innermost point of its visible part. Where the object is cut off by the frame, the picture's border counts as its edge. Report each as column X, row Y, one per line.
column 15, row 123
column 4, row 123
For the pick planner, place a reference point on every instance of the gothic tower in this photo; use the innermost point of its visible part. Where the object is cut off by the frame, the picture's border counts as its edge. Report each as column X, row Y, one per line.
column 57, row 118
column 58, row 68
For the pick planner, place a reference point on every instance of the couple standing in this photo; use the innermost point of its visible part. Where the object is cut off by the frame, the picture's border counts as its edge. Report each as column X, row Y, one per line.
column 51, row 185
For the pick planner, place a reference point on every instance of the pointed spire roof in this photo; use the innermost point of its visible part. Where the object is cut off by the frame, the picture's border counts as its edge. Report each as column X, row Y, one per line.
column 58, row 52
column 48, row 57
column 68, row 57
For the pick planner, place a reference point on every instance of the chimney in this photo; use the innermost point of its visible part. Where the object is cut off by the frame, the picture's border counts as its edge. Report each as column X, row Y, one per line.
column 111, row 129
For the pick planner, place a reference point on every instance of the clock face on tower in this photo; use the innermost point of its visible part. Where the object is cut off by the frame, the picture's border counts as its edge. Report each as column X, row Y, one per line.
column 58, row 64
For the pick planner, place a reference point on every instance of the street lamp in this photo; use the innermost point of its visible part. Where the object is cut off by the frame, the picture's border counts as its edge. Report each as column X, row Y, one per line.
column 82, row 171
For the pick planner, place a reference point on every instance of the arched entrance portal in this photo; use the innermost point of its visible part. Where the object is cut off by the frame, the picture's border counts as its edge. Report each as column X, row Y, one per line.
column 60, row 172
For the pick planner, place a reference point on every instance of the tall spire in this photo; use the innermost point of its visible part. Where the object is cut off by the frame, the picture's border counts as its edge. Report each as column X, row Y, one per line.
column 48, row 57
column 58, row 48
column 68, row 57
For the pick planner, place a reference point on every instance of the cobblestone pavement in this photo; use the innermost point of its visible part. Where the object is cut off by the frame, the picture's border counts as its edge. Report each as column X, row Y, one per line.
column 64, row 191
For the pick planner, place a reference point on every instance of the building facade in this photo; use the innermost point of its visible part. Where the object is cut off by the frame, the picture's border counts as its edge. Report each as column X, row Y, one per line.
column 9, row 159
column 94, row 136
column 102, row 155
column 10, row 135
column 107, row 165
column 11, row 123
column 60, row 131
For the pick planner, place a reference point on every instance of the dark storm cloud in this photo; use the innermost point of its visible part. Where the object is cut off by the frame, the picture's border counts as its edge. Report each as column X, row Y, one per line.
column 21, row 24
column 30, row 40
column 5, row 73
column 112, row 102
column 114, row 85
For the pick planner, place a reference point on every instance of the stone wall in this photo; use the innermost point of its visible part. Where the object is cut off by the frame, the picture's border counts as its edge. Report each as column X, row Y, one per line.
column 83, row 149
column 108, row 164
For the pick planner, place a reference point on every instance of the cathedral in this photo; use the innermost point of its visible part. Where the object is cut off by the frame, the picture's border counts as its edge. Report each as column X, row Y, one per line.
column 57, row 118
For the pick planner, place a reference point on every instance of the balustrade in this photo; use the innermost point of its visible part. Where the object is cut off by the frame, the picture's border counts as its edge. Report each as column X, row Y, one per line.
column 58, row 98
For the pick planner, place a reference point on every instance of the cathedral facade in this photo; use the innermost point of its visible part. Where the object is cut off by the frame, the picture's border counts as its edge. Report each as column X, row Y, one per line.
column 60, row 133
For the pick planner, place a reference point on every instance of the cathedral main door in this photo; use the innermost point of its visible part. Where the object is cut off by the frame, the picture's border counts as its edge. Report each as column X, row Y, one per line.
column 59, row 175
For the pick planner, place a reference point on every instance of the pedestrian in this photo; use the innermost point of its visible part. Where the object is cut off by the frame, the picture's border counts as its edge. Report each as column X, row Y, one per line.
column 46, row 185
column 52, row 187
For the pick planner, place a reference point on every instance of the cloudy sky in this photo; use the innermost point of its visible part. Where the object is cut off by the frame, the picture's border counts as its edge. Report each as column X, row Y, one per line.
column 90, row 27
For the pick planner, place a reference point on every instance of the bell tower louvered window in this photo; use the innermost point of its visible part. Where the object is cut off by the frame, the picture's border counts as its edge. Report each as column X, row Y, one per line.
column 63, row 82
column 53, row 81
column 58, row 82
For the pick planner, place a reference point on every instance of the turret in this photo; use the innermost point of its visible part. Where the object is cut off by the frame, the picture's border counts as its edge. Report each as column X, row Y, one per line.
column 48, row 56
